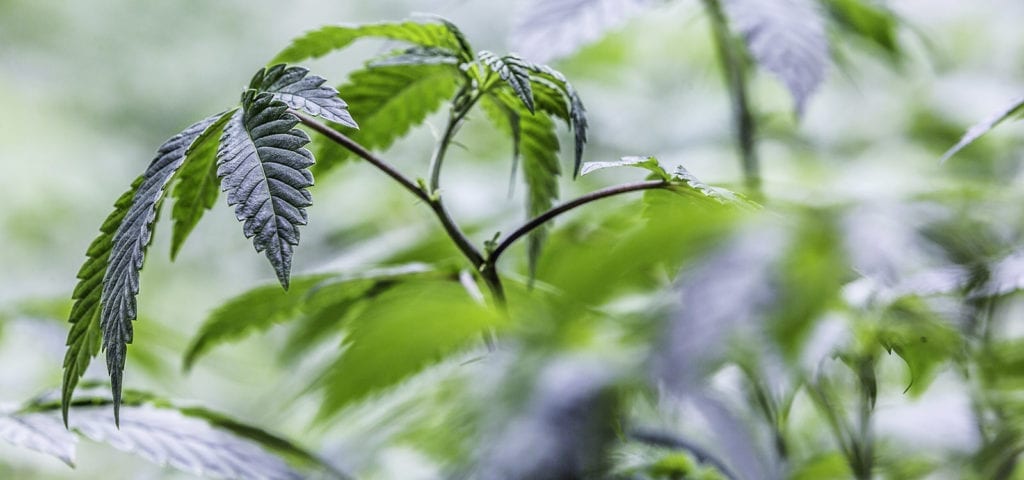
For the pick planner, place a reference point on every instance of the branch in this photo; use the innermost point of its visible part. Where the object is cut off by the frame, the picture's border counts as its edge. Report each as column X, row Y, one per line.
column 543, row 218
column 453, row 231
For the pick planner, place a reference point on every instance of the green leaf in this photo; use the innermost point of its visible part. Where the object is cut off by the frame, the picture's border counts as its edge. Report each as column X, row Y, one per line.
column 984, row 126
column 577, row 113
column 85, row 335
column 920, row 337
column 197, row 186
column 513, row 71
column 400, row 333
column 128, row 249
column 318, row 43
column 417, row 56
column 786, row 38
column 253, row 311
column 506, row 119
column 650, row 164
column 868, row 20
column 299, row 90
column 389, row 101
column 264, row 170
column 687, row 184
column 538, row 146
column 40, row 432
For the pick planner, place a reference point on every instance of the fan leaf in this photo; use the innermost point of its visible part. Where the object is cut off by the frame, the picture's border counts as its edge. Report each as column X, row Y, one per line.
column 318, row 43
column 168, row 437
column 299, row 90
column 389, row 101
column 404, row 330
column 786, row 38
column 513, row 71
column 650, row 164
column 264, row 170
column 85, row 335
column 550, row 29
column 577, row 113
column 255, row 310
column 197, row 187
column 40, row 432
column 128, row 249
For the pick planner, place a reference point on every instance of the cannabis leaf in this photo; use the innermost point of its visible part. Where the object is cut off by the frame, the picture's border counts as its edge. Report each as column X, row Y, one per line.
column 85, row 335
column 417, row 56
column 264, row 170
column 388, row 101
column 168, row 437
column 197, row 185
column 320, row 42
column 549, row 29
column 983, row 127
column 128, row 249
column 650, row 164
column 514, row 72
column 576, row 114
column 402, row 331
column 255, row 310
column 40, row 432
column 299, row 90
column 787, row 38
column 869, row 20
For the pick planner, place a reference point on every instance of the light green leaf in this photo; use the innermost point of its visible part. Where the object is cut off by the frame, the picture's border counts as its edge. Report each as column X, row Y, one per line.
column 388, row 101
column 318, row 43
column 197, row 186
column 650, row 164
column 869, row 20
column 253, row 311
column 401, row 332
column 984, row 126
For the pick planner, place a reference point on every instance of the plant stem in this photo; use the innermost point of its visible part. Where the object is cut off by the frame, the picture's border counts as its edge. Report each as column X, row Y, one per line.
column 450, row 227
column 736, row 78
column 455, row 118
column 543, row 218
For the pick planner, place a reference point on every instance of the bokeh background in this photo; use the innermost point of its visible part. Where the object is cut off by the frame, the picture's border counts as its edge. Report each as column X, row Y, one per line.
column 89, row 89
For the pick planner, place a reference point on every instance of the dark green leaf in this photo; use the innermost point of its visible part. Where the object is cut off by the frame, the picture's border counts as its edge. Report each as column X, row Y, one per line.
column 253, row 311
column 388, row 101
column 128, row 249
column 85, row 335
column 577, row 119
column 299, row 90
column 787, row 38
column 264, row 170
column 513, row 71
column 197, row 187
column 650, row 164
column 320, row 42
column 400, row 333
column 983, row 127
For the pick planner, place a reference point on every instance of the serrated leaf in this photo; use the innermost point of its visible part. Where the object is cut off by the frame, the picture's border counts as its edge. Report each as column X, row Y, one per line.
column 550, row 29
column 264, row 170
column 417, row 56
column 40, row 432
column 513, row 71
column 85, row 335
column 650, row 164
column 577, row 118
column 538, row 148
column 197, row 186
column 507, row 120
column 786, row 38
column 168, row 437
column 299, row 90
column 400, row 333
column 388, row 101
column 128, row 249
column 984, row 126
column 920, row 337
column 255, row 310
column 318, row 43
column 694, row 187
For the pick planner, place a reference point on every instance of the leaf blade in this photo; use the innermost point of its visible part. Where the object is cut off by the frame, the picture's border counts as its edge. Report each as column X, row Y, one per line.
column 301, row 91
column 320, row 42
column 981, row 128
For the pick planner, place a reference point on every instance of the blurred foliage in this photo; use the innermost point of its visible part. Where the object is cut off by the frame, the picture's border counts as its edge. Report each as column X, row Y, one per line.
column 861, row 320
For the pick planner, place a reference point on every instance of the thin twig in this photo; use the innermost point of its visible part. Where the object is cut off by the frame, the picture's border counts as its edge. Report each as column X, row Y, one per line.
column 543, row 218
